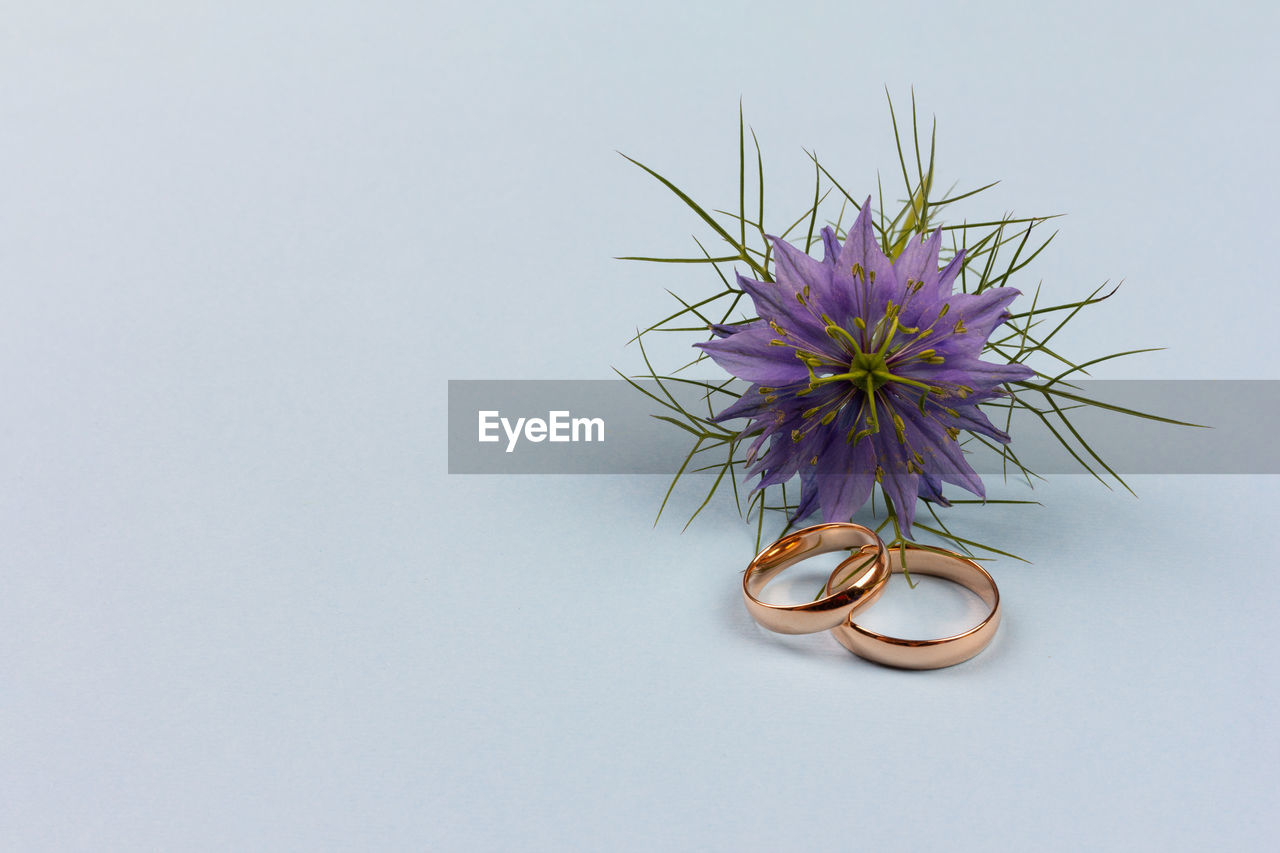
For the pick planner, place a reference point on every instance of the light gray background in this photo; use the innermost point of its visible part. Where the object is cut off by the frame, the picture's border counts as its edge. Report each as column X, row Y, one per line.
column 242, row 605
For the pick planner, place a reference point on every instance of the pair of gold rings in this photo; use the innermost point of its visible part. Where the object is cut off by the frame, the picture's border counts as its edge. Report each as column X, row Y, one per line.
column 856, row 583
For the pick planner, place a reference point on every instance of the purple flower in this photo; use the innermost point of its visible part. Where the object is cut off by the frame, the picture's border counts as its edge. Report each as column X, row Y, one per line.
column 864, row 370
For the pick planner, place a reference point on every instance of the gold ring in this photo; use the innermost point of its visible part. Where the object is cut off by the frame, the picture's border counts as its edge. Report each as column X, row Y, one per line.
column 862, row 577
column 927, row 654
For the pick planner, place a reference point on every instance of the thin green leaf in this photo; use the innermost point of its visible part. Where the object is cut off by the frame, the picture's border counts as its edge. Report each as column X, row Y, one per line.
column 702, row 214
column 1057, row 392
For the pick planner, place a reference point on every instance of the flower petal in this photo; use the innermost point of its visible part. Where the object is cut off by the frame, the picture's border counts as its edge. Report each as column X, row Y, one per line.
column 931, row 489
column 808, row 500
column 862, row 250
column 724, row 330
column 901, row 490
column 828, row 292
column 843, row 474
column 979, row 375
column 780, row 463
column 796, row 269
column 843, row 494
column 942, row 455
column 919, row 260
column 899, row 485
column 748, row 355
column 946, row 283
column 776, row 301
column 749, row 405
column 974, row 419
column 830, row 246
column 980, row 313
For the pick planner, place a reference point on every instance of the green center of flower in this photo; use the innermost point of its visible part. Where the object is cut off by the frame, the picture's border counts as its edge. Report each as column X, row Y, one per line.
column 868, row 367
column 876, row 358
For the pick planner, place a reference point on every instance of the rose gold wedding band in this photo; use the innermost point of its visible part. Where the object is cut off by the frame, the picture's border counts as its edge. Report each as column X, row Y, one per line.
column 862, row 577
column 927, row 654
